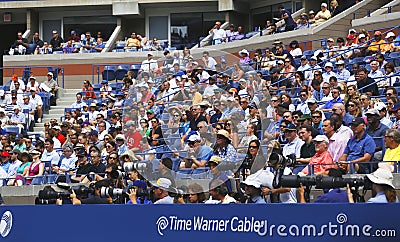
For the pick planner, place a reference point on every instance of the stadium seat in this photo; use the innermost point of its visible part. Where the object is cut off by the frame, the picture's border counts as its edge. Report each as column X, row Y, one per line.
column 96, row 87
column 109, row 73
column 121, row 72
column 308, row 53
column 357, row 60
column 395, row 56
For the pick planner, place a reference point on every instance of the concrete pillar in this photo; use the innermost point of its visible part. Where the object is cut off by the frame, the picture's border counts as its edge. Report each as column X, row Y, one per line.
column 126, row 8
column 225, row 5
column 32, row 21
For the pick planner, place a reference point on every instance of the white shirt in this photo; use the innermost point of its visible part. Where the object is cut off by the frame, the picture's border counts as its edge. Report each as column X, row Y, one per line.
column 218, row 34
column 149, row 65
column 293, row 147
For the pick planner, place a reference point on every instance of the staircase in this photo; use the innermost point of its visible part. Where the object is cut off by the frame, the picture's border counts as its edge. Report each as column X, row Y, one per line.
column 66, row 98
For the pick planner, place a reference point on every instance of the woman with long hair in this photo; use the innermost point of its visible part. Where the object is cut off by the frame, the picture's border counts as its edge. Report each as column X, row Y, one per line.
column 34, row 170
column 352, row 93
column 255, row 156
column 26, row 159
column 144, row 128
column 237, row 74
column 285, row 98
column 184, row 123
column 223, row 147
column 295, row 50
column 354, row 108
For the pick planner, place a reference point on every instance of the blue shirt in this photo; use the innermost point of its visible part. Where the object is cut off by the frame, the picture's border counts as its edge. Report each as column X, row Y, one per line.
column 335, row 195
column 78, row 104
column 289, row 20
column 347, row 119
column 5, row 166
column 205, row 153
column 53, row 157
column 379, row 132
column 379, row 198
column 330, row 103
column 356, row 149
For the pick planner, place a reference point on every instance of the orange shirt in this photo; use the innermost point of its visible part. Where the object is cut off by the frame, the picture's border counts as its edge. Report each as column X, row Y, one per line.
column 322, row 162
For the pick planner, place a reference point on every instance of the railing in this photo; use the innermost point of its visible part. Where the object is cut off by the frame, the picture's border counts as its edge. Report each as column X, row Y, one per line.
column 27, row 71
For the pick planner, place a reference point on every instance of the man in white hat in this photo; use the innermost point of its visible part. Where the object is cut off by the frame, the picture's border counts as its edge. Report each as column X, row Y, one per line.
column 342, row 73
column 148, row 65
column 328, row 72
column 199, row 154
column 121, row 147
column 17, row 118
column 322, row 160
column 162, row 186
column 51, row 84
column 383, row 190
column 324, row 14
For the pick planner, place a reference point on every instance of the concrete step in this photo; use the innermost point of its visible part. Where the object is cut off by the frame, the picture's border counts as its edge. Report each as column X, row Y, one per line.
column 38, row 129
column 39, row 124
column 56, row 112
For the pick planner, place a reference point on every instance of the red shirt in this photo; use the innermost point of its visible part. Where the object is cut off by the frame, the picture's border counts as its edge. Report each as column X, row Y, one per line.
column 61, row 138
column 89, row 93
column 133, row 140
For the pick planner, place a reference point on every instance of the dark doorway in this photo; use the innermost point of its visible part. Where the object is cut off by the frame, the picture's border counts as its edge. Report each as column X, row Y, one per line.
column 9, row 35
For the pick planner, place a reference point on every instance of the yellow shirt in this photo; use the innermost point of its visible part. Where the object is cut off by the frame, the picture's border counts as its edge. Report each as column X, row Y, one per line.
column 376, row 45
column 197, row 98
column 392, row 154
column 133, row 42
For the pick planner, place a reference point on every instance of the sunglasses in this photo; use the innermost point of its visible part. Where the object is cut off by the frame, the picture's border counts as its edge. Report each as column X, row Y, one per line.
column 112, row 158
column 352, row 105
column 253, row 147
column 316, row 116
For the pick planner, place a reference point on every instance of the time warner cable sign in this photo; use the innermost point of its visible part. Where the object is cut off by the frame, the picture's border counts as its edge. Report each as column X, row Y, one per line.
column 339, row 227
column 205, row 223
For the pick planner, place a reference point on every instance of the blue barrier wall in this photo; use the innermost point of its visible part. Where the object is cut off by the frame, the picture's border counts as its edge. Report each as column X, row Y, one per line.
column 272, row 222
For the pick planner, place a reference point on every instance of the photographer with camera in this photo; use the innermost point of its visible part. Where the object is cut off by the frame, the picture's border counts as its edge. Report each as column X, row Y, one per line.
column 252, row 188
column 331, row 195
column 217, row 174
column 278, row 166
column 134, row 196
column 294, row 142
column 93, row 198
column 383, row 190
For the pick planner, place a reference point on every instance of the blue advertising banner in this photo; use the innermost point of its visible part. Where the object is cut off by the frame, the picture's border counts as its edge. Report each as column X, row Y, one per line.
column 273, row 222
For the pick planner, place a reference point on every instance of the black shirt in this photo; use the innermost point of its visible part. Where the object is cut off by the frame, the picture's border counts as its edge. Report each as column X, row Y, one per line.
column 371, row 88
column 307, row 150
column 56, row 43
column 16, row 43
column 195, row 122
column 85, row 169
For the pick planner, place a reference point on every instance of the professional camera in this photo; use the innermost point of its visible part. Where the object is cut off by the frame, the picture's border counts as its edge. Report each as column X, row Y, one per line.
column 338, row 182
column 294, row 181
column 117, row 174
column 50, row 195
column 322, row 182
column 278, row 159
column 39, row 201
column 141, row 167
column 118, row 192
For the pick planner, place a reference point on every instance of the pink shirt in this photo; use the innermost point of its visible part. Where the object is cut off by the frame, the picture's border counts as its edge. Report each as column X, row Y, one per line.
column 337, row 144
column 323, row 162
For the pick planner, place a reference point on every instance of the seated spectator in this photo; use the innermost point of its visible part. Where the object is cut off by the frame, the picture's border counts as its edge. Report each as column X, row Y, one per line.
column 322, row 161
column 98, row 47
column 337, row 143
column 376, row 130
column 67, row 161
column 239, row 35
column 36, row 40
column 56, row 42
column 199, row 154
column 88, row 90
column 51, row 84
column 79, row 103
column 359, row 149
column 45, row 49
column 335, row 8
column 155, row 45
column 32, row 85
column 69, row 48
column 74, row 37
column 295, row 50
column 17, row 118
column 223, row 147
column 230, row 33
column 162, row 186
column 354, row 108
column 366, row 84
column 88, row 42
column 84, row 167
column 323, row 15
column 376, row 45
column 19, row 46
column 133, row 42
column 36, row 169
column 392, row 153
column 307, row 150
column 304, row 23
column 342, row 74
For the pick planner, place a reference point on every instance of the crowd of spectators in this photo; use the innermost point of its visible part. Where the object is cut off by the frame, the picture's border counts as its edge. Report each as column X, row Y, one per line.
column 73, row 44
column 181, row 114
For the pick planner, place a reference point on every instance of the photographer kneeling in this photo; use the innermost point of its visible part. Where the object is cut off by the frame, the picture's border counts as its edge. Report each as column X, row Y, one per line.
column 383, row 190
column 95, row 197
